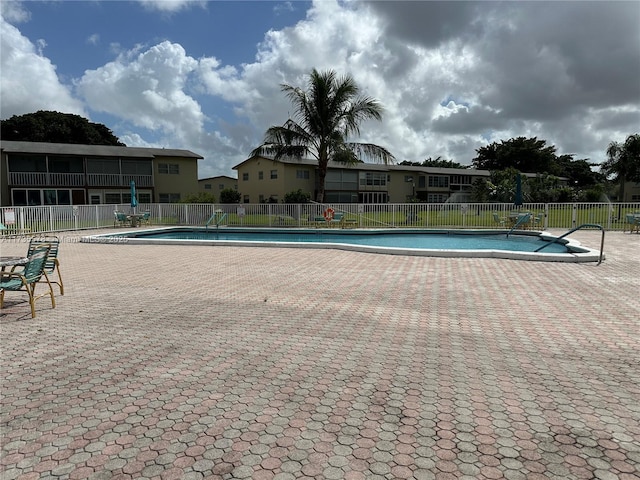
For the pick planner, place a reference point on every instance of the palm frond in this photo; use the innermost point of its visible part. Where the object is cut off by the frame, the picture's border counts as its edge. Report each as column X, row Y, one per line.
column 371, row 152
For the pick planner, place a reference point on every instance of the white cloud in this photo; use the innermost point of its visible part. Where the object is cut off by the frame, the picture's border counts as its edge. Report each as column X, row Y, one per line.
column 171, row 6
column 93, row 39
column 28, row 80
column 147, row 89
column 14, row 12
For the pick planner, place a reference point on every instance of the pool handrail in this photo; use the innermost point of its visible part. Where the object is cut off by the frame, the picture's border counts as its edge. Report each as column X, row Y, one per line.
column 522, row 218
column 584, row 225
column 213, row 218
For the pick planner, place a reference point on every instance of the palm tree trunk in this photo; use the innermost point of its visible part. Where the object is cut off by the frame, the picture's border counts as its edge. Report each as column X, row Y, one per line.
column 623, row 180
column 323, row 165
column 322, row 175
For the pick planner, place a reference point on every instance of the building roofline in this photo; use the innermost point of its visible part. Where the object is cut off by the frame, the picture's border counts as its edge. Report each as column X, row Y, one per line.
column 386, row 168
column 98, row 150
column 217, row 176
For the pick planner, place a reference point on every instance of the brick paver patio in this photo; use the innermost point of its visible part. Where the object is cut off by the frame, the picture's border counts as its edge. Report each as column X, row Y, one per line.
column 188, row 362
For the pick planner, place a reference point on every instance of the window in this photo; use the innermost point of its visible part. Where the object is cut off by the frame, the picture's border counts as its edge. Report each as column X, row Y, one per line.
column 143, row 167
column 373, row 179
column 437, row 198
column 144, row 197
column 260, row 175
column 23, row 198
column 438, row 181
column 207, row 186
column 169, row 168
column 221, row 186
column 103, row 166
column 274, row 174
column 27, row 163
column 110, row 198
column 245, row 177
column 245, row 199
column 60, row 164
column 302, row 174
column 461, row 179
column 408, row 178
column 169, row 197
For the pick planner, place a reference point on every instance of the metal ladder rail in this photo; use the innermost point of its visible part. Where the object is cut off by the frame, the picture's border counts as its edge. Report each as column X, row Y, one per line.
column 213, row 218
column 584, row 225
column 523, row 219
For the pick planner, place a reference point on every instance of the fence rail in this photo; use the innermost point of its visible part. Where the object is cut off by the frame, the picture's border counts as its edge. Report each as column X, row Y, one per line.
column 57, row 218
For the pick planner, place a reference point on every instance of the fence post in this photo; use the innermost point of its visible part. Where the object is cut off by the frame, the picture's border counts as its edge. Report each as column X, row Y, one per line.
column 546, row 216
column 51, row 226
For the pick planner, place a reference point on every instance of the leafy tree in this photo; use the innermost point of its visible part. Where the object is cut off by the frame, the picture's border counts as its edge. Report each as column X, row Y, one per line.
column 200, row 197
column 481, row 190
column 56, row 127
column 544, row 188
column 623, row 163
column 502, row 185
column 437, row 162
column 578, row 172
column 297, row 196
column 524, row 154
column 326, row 115
column 230, row 195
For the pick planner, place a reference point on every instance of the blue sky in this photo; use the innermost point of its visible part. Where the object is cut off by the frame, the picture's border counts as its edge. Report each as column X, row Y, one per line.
column 452, row 76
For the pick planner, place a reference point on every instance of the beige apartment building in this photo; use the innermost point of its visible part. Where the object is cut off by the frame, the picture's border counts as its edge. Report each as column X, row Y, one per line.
column 215, row 185
column 263, row 179
column 39, row 173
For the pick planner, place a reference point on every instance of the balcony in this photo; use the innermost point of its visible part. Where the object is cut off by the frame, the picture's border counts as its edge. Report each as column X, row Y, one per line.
column 28, row 179
column 33, row 179
column 118, row 180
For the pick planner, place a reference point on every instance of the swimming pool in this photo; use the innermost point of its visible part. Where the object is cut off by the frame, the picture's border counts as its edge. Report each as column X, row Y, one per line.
column 422, row 242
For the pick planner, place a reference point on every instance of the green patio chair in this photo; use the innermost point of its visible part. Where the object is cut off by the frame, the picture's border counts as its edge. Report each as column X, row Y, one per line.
column 120, row 219
column 501, row 221
column 28, row 278
column 52, row 265
column 633, row 220
column 537, row 221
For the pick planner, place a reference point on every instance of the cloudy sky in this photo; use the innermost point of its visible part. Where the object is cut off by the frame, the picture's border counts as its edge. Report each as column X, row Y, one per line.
column 452, row 76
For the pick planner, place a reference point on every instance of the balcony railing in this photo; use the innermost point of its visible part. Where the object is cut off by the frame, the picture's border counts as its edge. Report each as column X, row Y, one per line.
column 32, row 179
column 118, row 180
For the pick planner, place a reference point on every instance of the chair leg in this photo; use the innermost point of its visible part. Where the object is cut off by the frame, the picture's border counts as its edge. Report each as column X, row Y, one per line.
column 59, row 282
column 32, row 301
column 50, row 293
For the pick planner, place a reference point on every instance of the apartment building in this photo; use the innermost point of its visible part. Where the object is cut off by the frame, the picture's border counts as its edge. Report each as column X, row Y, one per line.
column 215, row 185
column 262, row 179
column 39, row 173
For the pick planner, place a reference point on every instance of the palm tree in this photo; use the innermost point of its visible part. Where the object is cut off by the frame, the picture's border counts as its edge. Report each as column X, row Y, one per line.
column 623, row 162
column 326, row 115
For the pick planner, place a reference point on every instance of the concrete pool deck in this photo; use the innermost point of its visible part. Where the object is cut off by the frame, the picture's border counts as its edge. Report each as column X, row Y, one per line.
column 234, row 362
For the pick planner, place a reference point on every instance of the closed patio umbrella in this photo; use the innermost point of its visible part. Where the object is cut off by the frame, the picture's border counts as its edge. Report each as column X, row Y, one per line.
column 134, row 200
column 517, row 201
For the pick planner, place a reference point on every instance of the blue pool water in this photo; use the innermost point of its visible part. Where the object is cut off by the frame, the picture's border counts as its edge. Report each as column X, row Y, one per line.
column 420, row 242
column 404, row 239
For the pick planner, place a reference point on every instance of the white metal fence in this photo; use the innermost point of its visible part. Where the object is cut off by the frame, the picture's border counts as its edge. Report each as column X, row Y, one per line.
column 26, row 220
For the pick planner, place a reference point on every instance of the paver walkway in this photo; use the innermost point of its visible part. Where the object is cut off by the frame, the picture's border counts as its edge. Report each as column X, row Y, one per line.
column 231, row 362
